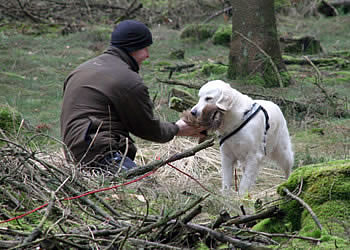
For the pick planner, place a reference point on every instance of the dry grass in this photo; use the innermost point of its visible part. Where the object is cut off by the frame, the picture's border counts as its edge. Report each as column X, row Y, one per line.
column 205, row 167
column 173, row 185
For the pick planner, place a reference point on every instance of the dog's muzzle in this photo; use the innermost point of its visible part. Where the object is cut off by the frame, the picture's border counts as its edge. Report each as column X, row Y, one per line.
column 194, row 112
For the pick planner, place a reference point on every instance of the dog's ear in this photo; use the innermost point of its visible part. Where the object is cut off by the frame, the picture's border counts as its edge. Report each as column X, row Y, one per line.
column 225, row 101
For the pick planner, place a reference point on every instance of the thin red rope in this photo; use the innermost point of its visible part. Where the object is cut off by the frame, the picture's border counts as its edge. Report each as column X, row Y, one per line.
column 191, row 177
column 102, row 190
column 79, row 196
column 22, row 215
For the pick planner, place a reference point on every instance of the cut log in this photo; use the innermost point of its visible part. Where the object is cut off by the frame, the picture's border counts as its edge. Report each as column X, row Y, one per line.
column 300, row 45
column 325, row 61
column 181, row 100
column 329, row 8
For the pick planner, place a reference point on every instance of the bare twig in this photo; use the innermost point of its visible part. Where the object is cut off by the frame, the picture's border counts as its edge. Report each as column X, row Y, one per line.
column 218, row 13
column 223, row 217
column 27, row 13
column 282, row 235
column 319, row 81
column 165, row 220
column 268, row 213
column 159, row 163
column 125, row 239
column 222, row 237
column 172, row 82
column 153, row 244
column 308, row 208
column 193, row 214
column 37, row 231
column 94, row 206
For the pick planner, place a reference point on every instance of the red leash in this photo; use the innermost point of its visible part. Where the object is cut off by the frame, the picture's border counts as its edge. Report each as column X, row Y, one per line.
column 102, row 190
column 79, row 196
column 200, row 184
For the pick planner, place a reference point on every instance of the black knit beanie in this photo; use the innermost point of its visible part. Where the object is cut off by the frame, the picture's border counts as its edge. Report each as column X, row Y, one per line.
column 131, row 35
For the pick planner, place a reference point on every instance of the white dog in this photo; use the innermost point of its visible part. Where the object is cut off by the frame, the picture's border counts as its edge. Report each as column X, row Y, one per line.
column 251, row 130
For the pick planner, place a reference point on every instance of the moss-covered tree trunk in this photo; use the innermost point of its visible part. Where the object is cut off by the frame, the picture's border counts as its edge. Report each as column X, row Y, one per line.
column 255, row 49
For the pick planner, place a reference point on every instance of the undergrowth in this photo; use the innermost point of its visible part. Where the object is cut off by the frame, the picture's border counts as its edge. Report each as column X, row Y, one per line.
column 33, row 68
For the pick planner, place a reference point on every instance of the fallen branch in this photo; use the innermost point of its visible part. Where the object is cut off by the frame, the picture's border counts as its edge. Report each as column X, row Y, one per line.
column 185, row 102
column 106, row 222
column 268, row 213
column 223, row 217
column 153, row 166
column 319, row 81
column 222, row 237
column 129, row 11
column 308, row 208
column 170, row 82
column 218, row 13
column 38, row 230
column 144, row 243
column 175, row 215
column 28, row 14
column 282, row 235
column 177, row 68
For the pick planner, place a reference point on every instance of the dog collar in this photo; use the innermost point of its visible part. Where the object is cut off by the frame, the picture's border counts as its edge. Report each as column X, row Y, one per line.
column 246, row 118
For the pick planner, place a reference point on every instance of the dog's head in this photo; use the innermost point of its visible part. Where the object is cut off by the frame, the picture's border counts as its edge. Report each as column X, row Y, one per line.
column 211, row 118
column 216, row 93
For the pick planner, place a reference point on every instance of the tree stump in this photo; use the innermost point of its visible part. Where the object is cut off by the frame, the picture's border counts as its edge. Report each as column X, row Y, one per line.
column 302, row 45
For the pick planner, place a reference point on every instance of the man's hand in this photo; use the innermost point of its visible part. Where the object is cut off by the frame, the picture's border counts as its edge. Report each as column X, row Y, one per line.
column 186, row 130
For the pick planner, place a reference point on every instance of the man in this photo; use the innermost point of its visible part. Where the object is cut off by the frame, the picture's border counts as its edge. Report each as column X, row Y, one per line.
column 105, row 100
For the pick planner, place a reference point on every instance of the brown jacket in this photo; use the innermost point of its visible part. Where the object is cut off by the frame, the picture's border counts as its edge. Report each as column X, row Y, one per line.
column 104, row 100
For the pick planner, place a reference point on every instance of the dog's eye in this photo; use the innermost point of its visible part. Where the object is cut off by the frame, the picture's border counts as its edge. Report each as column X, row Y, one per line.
column 208, row 98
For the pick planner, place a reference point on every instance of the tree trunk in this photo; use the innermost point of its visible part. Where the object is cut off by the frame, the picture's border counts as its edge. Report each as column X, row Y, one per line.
column 255, row 49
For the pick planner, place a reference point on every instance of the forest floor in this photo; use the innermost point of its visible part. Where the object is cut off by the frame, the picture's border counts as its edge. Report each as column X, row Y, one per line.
column 33, row 68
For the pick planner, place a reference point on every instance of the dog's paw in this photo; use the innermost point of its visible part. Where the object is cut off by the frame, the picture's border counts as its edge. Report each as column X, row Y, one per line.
column 227, row 191
column 245, row 195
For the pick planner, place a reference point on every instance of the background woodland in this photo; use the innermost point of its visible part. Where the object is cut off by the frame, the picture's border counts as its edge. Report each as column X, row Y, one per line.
column 173, row 201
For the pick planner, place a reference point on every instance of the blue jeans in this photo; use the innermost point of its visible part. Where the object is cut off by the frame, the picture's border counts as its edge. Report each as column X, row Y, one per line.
column 112, row 163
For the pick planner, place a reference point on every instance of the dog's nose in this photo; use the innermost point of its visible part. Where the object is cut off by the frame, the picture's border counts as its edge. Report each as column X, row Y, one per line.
column 194, row 112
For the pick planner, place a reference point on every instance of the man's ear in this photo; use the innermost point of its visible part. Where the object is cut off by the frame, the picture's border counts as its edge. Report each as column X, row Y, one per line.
column 225, row 101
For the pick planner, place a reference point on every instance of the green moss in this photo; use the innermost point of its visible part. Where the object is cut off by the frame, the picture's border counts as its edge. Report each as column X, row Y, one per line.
column 163, row 63
column 216, row 69
column 177, row 54
column 317, row 131
column 10, row 119
column 188, row 75
column 198, row 32
column 281, row 4
column 223, row 35
column 255, row 79
column 270, row 225
column 267, row 79
column 146, row 62
column 326, row 189
column 332, row 217
column 181, row 99
column 325, row 181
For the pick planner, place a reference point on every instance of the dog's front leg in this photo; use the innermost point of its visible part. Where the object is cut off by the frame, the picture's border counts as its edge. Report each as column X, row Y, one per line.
column 227, row 172
column 250, row 173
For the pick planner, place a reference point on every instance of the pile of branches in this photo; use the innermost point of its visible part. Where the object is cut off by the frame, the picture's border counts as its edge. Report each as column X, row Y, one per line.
column 48, row 203
column 76, row 13
column 64, row 12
